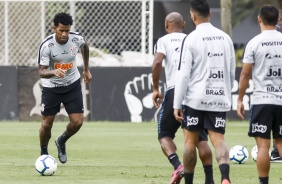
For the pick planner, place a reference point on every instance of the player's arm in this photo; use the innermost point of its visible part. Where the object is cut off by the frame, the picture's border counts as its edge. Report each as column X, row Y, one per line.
column 156, row 73
column 243, row 85
column 85, row 56
column 44, row 72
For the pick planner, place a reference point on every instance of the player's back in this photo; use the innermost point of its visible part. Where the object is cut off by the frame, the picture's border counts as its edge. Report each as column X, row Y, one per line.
column 264, row 52
column 170, row 46
column 211, row 54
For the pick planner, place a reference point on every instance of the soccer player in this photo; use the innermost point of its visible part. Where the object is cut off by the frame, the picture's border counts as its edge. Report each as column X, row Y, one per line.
column 205, row 77
column 61, row 81
column 168, row 48
column 275, row 157
column 263, row 60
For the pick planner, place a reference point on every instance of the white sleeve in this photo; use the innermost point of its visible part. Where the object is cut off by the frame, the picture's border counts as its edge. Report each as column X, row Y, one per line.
column 248, row 56
column 232, row 65
column 44, row 55
column 183, row 74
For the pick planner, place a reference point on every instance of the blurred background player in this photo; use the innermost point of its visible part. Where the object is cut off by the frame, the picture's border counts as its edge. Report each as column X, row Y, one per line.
column 168, row 48
column 275, row 157
column 61, row 81
column 205, row 77
column 262, row 59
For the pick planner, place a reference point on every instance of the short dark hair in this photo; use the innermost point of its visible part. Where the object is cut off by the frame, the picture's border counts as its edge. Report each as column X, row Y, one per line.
column 201, row 7
column 269, row 15
column 63, row 18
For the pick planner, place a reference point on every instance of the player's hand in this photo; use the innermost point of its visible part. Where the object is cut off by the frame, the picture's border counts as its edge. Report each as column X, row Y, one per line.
column 87, row 76
column 60, row 73
column 178, row 114
column 157, row 98
column 240, row 109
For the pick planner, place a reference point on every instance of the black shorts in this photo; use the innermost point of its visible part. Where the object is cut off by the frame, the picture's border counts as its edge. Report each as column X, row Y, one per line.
column 70, row 96
column 167, row 124
column 264, row 119
column 197, row 120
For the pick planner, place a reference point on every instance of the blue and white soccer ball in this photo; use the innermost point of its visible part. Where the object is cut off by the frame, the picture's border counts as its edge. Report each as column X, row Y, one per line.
column 238, row 154
column 46, row 165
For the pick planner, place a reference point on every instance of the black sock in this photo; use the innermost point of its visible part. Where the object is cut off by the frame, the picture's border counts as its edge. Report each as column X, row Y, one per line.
column 224, row 170
column 209, row 174
column 174, row 160
column 263, row 180
column 188, row 178
column 63, row 138
column 44, row 150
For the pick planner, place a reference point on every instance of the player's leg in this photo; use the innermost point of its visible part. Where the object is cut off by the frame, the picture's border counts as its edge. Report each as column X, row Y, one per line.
column 192, row 125
column 263, row 163
column 261, row 122
column 50, row 107
column 45, row 133
column 215, row 123
column 73, row 103
column 167, row 128
column 205, row 155
column 277, row 139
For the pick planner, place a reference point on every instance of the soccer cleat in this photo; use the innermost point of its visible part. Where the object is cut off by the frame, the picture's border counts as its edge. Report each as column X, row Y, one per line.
column 62, row 155
column 177, row 175
column 275, row 158
column 225, row 181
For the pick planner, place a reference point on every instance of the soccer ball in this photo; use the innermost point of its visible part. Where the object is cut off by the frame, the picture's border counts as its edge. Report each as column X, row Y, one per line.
column 254, row 153
column 46, row 165
column 238, row 154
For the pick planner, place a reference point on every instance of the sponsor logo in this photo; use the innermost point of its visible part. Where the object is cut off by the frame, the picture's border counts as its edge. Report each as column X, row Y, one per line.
column 273, row 71
column 42, row 107
column 211, row 38
column 219, row 122
column 215, row 74
column 210, row 54
column 274, row 88
column 192, row 121
column 280, row 132
column 271, row 56
column 176, row 40
column 215, row 92
column 215, row 103
column 55, row 55
column 258, row 128
column 65, row 52
column 51, row 45
column 74, row 40
column 64, row 66
column 271, row 43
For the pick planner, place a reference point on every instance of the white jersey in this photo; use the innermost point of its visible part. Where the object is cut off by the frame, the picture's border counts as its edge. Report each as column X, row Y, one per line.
column 206, row 71
column 264, row 52
column 170, row 46
column 55, row 55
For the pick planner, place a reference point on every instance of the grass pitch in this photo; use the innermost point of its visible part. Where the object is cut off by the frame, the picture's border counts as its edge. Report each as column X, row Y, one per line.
column 111, row 153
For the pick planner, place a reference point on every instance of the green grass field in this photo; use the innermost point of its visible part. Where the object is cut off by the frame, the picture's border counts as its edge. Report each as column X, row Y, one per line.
column 111, row 153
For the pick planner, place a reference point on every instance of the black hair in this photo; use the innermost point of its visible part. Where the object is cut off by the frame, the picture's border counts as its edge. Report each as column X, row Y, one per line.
column 269, row 15
column 63, row 18
column 201, row 7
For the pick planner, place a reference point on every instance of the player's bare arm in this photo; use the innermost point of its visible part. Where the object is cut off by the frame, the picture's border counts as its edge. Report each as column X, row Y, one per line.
column 85, row 55
column 44, row 72
column 243, row 84
column 157, row 96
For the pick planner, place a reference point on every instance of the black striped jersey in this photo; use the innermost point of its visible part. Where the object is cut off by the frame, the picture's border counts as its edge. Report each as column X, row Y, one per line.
column 170, row 46
column 264, row 51
column 55, row 55
column 206, row 70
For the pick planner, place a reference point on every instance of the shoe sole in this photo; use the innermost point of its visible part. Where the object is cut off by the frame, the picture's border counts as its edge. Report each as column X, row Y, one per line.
column 57, row 145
